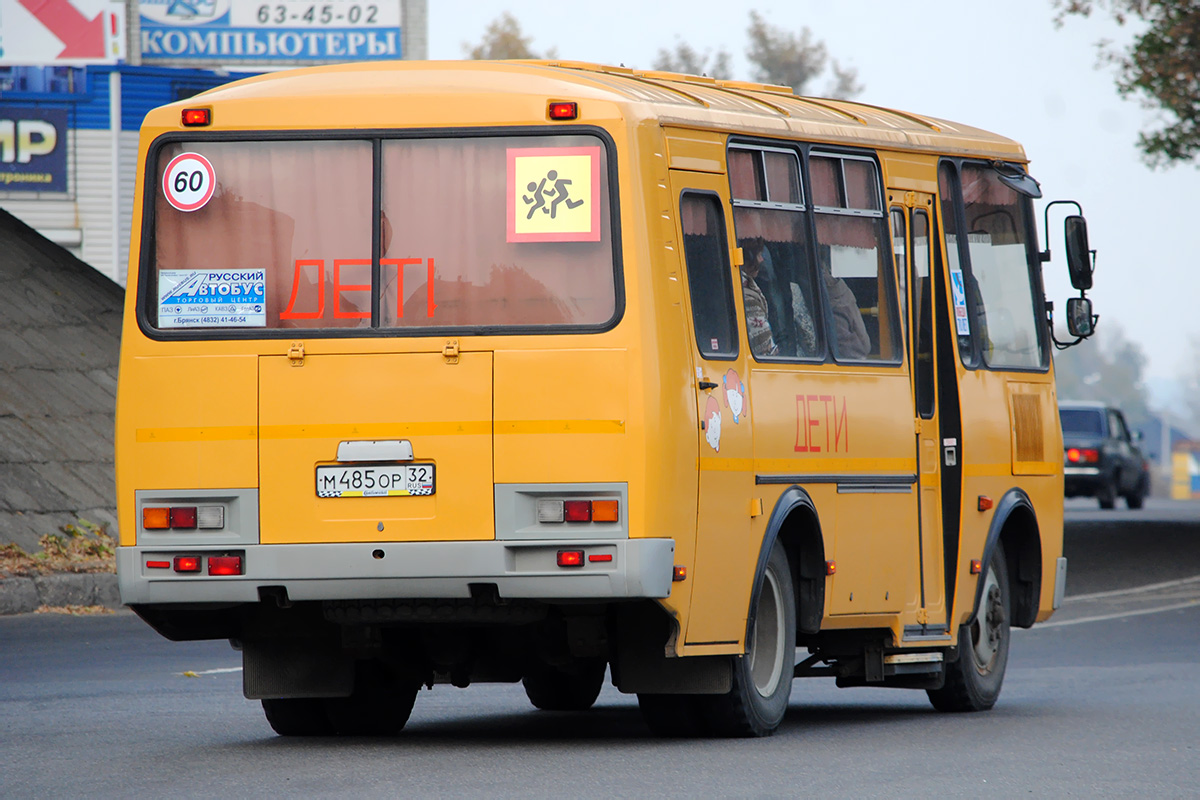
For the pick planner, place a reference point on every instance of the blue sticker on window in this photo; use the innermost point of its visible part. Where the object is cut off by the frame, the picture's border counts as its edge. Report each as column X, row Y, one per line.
column 226, row 298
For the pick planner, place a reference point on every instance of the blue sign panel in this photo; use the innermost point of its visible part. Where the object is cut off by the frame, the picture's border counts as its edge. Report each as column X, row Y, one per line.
column 33, row 149
column 182, row 32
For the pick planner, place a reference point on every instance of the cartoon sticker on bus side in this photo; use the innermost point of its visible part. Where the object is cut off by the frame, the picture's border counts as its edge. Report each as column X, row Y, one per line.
column 712, row 423
column 735, row 395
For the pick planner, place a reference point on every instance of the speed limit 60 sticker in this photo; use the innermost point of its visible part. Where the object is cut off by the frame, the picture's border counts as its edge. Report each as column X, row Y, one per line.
column 189, row 181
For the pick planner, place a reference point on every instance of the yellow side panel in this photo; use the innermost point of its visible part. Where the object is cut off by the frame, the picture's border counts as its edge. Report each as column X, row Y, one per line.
column 697, row 151
column 825, row 426
column 561, row 416
column 443, row 409
column 193, row 425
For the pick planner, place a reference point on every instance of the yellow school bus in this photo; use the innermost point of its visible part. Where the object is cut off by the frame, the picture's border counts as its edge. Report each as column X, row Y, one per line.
column 547, row 371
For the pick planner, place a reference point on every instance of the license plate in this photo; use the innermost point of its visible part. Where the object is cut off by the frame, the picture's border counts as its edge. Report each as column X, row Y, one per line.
column 377, row 480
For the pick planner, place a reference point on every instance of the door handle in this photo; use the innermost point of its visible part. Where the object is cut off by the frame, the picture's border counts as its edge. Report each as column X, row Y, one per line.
column 707, row 385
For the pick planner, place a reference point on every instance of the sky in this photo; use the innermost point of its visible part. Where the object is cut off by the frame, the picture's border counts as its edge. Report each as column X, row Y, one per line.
column 1002, row 67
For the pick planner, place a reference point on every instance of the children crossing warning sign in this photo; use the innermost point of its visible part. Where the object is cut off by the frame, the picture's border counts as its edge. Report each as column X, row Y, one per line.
column 554, row 194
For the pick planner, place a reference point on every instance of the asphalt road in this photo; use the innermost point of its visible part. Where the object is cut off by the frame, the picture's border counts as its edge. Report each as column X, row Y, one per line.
column 1102, row 701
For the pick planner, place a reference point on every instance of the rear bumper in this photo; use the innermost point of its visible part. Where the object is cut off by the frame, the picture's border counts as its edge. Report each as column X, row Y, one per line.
column 1083, row 481
column 639, row 568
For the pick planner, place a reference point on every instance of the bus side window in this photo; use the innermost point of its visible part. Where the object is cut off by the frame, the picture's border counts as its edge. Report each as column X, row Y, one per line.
column 853, row 259
column 709, row 284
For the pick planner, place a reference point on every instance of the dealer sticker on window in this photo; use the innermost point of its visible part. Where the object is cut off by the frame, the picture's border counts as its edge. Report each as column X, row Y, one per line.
column 219, row 298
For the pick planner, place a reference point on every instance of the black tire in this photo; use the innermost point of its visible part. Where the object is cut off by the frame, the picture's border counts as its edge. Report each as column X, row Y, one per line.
column 1107, row 496
column 298, row 716
column 762, row 679
column 973, row 681
column 1137, row 498
column 572, row 688
column 380, row 705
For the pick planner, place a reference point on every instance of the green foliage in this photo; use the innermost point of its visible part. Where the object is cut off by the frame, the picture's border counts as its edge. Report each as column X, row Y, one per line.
column 79, row 547
column 1109, row 368
column 1161, row 68
column 795, row 59
column 685, row 58
column 504, row 39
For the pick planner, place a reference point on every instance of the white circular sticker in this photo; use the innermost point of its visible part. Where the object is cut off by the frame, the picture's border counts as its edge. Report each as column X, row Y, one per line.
column 189, row 181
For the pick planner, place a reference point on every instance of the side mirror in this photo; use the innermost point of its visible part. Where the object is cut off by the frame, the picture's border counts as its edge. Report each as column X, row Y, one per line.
column 1080, row 322
column 1079, row 257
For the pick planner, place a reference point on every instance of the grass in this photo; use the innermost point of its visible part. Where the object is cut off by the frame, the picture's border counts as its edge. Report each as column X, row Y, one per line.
column 79, row 547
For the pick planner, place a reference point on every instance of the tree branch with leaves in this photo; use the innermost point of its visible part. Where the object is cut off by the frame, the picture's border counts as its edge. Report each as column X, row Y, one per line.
column 1161, row 67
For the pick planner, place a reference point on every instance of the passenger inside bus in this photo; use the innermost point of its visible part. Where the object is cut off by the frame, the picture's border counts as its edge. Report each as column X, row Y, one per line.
column 850, row 332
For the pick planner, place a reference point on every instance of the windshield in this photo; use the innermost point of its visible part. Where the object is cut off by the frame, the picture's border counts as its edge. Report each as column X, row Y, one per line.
column 1084, row 421
column 473, row 233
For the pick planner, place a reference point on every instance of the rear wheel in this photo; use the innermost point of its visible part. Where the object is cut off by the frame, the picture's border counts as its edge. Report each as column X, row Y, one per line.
column 1107, row 495
column 298, row 716
column 973, row 682
column 1137, row 498
column 379, row 706
column 762, row 679
column 571, row 688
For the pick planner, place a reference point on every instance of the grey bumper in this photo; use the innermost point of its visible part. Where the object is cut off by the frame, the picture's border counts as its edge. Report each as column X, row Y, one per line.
column 639, row 568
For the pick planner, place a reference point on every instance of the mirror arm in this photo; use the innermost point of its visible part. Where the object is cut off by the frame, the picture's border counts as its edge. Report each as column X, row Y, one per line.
column 1045, row 254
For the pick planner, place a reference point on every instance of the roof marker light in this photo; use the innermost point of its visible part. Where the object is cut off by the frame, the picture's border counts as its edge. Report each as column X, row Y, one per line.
column 563, row 111
column 197, row 117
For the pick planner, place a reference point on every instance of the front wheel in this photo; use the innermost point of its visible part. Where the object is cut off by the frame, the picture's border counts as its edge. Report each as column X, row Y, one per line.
column 973, row 682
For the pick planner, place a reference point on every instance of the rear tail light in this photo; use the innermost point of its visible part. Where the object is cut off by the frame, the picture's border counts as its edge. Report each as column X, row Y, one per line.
column 577, row 510
column 1083, row 455
column 570, row 558
column 604, row 510
column 183, row 517
column 210, row 517
column 187, row 563
column 224, row 565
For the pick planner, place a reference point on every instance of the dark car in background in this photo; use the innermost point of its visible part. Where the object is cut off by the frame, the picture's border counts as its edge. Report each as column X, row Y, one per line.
column 1101, row 458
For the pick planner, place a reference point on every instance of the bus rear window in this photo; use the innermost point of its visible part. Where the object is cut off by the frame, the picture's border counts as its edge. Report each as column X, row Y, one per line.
column 473, row 233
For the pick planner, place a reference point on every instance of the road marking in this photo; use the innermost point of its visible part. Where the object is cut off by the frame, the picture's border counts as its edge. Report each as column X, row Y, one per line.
column 1120, row 615
column 1151, row 587
column 193, row 674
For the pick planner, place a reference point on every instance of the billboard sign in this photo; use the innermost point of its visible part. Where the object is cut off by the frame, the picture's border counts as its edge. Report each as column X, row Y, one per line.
column 285, row 32
column 61, row 32
column 33, row 149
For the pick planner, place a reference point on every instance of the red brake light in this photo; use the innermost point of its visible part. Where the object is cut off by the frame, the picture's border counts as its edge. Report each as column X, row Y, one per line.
column 1073, row 455
column 187, row 563
column 183, row 517
column 224, row 565
column 563, row 110
column 577, row 510
column 197, row 117
column 570, row 558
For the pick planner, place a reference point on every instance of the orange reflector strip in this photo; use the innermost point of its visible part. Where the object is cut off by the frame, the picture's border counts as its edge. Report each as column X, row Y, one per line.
column 985, row 502
column 197, row 117
column 680, row 574
column 158, row 564
column 570, row 558
column 601, row 557
column 153, row 518
column 563, row 111
column 187, row 563
column 604, row 510
column 830, row 567
column 976, row 566
column 224, row 565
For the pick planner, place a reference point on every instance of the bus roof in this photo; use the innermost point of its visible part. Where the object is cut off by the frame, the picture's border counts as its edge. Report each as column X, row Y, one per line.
column 358, row 95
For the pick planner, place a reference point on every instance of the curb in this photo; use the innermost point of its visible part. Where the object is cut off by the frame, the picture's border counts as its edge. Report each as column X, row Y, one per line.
column 23, row 595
